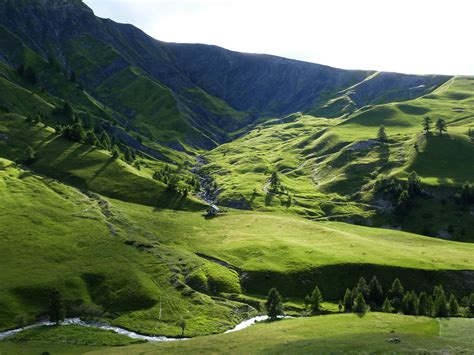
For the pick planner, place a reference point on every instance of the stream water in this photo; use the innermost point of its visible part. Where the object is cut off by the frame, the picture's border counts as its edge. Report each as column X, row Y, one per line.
column 77, row 321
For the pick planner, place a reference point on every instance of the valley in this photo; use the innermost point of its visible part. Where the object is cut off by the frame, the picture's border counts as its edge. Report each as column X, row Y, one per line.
column 114, row 146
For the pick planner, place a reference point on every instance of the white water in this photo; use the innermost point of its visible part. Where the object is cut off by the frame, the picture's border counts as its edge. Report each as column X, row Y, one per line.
column 77, row 321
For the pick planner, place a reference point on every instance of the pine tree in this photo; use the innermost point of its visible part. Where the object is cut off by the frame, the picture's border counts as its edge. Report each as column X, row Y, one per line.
column 430, row 306
column 56, row 307
column 440, row 303
column 182, row 325
column 414, row 184
column 91, row 138
column 359, row 304
column 316, row 300
column 115, row 152
column 274, row 304
column 441, row 126
column 362, row 287
column 275, row 183
column 348, row 300
column 128, row 156
column 410, row 303
column 382, row 135
column 423, row 307
column 30, row 155
column 375, row 292
column 396, row 293
column 453, row 305
column 387, row 306
column 427, row 125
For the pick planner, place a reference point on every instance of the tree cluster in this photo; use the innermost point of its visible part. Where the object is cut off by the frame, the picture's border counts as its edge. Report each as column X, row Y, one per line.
column 401, row 195
column 440, row 125
column 399, row 300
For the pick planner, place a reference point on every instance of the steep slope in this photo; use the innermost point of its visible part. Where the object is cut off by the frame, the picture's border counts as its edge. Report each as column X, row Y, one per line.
column 207, row 92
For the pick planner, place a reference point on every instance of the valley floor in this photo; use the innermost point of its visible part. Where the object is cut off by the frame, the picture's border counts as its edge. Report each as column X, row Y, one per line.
column 373, row 332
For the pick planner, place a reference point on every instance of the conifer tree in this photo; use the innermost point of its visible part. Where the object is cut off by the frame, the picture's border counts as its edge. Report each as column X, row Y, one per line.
column 440, row 303
column 56, row 307
column 375, row 292
column 316, row 300
column 427, row 125
column 382, row 135
column 441, row 126
column 359, row 304
column 348, row 300
column 274, row 304
column 396, row 293
column 387, row 306
column 453, row 305
column 423, row 307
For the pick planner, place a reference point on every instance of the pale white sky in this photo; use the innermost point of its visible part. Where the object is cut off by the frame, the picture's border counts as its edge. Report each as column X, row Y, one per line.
column 410, row 36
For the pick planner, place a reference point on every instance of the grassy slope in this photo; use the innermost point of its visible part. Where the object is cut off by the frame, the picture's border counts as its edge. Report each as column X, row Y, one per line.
column 85, row 166
column 325, row 163
column 86, row 257
column 325, row 334
column 294, row 253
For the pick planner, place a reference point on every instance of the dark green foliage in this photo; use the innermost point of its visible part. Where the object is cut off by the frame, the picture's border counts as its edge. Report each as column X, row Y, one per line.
column 440, row 307
column 427, row 124
column 91, row 139
column 29, row 118
column 115, row 152
column 315, row 300
column 453, row 305
column 89, row 311
column 424, row 308
column 30, row 155
column 347, row 300
column 441, row 126
column 382, row 135
column 128, row 155
column 359, row 304
column 403, row 203
column 56, row 310
column 182, row 325
column 274, row 304
column 396, row 294
column 375, row 292
column 410, row 303
column 275, row 183
column 467, row 194
column 362, row 287
column 387, row 306
column 414, row 184
column 75, row 132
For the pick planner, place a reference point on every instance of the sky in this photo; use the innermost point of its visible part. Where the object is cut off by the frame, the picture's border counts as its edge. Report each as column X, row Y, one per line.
column 408, row 36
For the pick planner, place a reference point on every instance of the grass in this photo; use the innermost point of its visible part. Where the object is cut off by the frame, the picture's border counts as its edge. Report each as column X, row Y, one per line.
column 93, row 256
column 329, row 334
column 86, row 167
column 329, row 166
column 294, row 253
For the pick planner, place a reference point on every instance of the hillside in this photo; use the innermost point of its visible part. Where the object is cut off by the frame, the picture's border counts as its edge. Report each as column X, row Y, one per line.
column 331, row 168
column 166, row 188
column 201, row 93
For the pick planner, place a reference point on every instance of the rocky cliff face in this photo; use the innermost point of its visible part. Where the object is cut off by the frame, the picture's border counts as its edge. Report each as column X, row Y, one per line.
column 216, row 91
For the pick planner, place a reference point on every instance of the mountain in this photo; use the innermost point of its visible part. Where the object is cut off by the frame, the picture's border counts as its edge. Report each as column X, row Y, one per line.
column 186, row 94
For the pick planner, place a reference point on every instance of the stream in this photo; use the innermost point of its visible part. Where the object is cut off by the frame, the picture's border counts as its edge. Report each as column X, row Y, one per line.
column 77, row 321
